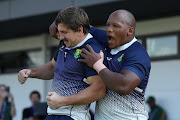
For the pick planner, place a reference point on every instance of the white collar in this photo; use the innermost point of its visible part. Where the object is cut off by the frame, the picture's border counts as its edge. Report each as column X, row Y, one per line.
column 123, row 47
column 81, row 43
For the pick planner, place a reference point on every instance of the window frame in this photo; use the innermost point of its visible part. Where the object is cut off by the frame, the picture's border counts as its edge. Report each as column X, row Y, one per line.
column 15, row 70
column 169, row 57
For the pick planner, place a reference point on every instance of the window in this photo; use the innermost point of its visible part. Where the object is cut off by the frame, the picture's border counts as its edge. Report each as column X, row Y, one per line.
column 15, row 61
column 163, row 46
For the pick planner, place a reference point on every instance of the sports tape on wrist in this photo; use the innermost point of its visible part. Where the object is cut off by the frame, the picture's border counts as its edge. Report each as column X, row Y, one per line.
column 98, row 66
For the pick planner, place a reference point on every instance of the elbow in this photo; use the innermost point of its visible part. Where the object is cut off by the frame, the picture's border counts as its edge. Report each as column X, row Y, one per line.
column 123, row 90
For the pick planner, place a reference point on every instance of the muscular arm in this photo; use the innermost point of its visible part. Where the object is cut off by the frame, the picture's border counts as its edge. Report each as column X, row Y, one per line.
column 53, row 30
column 94, row 92
column 122, row 83
column 45, row 72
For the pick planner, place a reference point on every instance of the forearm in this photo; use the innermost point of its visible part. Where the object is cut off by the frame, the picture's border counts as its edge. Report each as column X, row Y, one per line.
column 86, row 96
column 45, row 72
column 13, row 109
column 123, row 82
column 113, row 80
column 1, row 105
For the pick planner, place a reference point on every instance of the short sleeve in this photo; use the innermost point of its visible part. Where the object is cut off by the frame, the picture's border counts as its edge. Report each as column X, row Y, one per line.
column 56, row 54
column 138, row 62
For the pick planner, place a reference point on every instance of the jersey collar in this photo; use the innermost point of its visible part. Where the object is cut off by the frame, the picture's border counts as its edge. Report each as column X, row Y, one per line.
column 81, row 43
column 123, row 47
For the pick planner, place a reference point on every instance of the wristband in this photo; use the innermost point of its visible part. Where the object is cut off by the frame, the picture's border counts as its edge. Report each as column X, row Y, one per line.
column 98, row 66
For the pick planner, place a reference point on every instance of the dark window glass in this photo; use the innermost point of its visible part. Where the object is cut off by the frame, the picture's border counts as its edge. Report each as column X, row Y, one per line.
column 14, row 61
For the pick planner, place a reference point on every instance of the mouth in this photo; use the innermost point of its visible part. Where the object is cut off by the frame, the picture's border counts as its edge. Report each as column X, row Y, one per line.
column 109, row 39
column 65, row 41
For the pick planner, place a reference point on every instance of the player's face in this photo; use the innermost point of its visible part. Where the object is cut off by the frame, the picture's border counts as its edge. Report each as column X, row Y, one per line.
column 116, row 31
column 35, row 98
column 2, row 89
column 70, row 37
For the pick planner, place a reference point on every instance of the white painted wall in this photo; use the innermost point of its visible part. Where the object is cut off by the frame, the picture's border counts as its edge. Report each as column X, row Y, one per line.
column 21, row 92
column 164, row 78
column 164, row 85
column 157, row 26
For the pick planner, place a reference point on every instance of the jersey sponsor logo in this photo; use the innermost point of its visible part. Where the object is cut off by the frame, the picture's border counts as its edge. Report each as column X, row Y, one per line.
column 61, row 48
column 120, row 58
column 108, row 58
column 77, row 53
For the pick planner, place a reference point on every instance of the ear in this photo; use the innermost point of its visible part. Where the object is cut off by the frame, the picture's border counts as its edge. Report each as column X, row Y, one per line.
column 80, row 29
column 130, row 31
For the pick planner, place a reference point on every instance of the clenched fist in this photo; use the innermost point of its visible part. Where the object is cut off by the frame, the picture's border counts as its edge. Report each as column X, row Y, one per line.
column 23, row 75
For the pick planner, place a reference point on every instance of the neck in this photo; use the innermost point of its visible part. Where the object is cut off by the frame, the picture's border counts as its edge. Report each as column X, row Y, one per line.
column 82, row 37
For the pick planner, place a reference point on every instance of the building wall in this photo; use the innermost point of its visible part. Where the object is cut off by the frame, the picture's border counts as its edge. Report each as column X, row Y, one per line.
column 163, row 83
column 21, row 8
column 21, row 92
column 156, row 26
column 25, row 43
column 164, row 80
column 164, row 86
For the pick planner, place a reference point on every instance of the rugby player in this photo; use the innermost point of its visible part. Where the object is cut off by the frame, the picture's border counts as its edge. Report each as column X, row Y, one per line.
column 71, row 96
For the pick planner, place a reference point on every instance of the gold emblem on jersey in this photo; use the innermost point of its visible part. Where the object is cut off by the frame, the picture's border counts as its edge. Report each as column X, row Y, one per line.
column 120, row 58
column 77, row 53
column 61, row 48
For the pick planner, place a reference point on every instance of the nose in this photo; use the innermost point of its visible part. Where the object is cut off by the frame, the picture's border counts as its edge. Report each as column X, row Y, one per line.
column 109, row 28
column 61, row 36
column 58, row 35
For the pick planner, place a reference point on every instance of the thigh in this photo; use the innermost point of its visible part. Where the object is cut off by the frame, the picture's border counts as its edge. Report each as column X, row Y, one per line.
column 58, row 117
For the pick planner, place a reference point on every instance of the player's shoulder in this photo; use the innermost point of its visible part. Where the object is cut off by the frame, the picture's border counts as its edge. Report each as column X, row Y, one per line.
column 94, row 29
column 137, row 48
column 93, row 43
column 136, row 51
column 61, row 43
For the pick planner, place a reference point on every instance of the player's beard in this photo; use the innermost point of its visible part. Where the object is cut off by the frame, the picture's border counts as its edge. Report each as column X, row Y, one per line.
column 72, row 44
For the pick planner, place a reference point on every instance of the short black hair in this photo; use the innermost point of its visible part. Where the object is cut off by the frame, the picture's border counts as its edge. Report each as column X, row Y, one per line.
column 150, row 99
column 35, row 92
column 6, row 87
column 2, row 85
